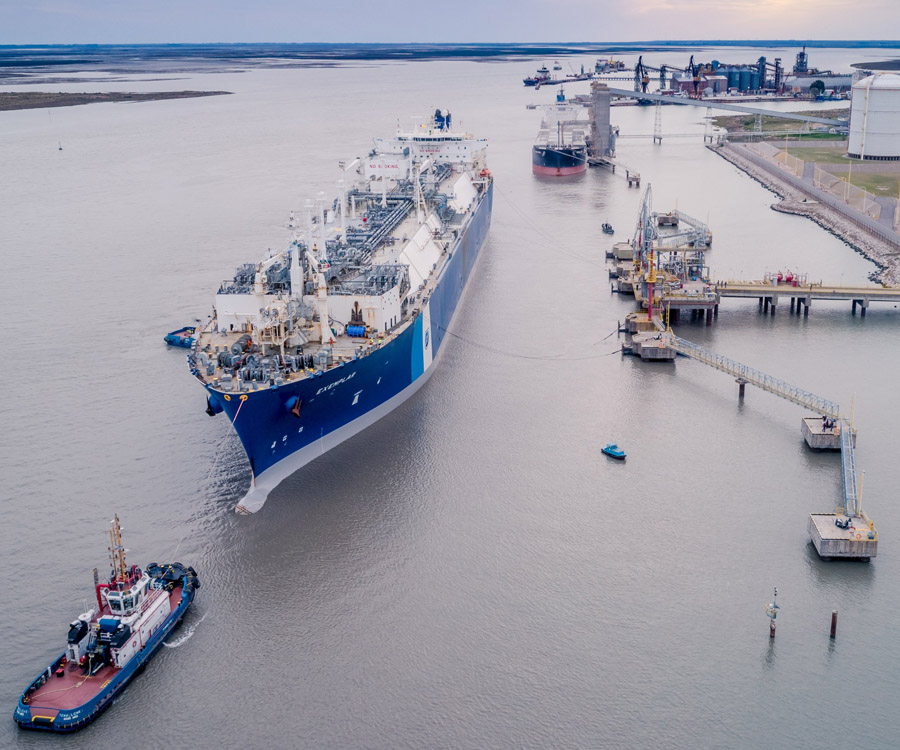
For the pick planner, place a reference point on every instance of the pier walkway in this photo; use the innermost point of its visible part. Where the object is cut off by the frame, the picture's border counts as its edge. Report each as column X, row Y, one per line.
column 734, row 107
column 745, row 374
column 769, row 293
column 854, row 536
column 848, row 470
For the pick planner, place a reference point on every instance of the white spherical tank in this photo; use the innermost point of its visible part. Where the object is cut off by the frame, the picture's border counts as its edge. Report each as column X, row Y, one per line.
column 875, row 118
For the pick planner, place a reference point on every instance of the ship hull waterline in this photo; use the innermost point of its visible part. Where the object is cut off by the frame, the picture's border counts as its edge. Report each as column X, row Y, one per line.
column 558, row 162
column 339, row 403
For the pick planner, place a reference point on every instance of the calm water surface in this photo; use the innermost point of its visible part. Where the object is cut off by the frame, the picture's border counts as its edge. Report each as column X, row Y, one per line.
column 469, row 572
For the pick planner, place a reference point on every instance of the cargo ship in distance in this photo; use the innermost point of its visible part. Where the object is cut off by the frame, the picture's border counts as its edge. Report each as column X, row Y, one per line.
column 319, row 340
column 561, row 145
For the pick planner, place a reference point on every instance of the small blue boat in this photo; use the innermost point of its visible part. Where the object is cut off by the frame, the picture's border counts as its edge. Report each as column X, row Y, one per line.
column 614, row 451
column 182, row 337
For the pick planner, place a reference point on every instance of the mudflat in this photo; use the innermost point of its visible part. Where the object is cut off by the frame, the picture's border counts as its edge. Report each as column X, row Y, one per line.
column 10, row 100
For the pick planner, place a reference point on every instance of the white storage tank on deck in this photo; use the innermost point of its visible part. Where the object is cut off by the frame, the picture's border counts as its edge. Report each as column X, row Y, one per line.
column 875, row 118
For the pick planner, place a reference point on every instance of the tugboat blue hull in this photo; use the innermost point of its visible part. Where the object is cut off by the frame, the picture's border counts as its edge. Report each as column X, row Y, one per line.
column 32, row 716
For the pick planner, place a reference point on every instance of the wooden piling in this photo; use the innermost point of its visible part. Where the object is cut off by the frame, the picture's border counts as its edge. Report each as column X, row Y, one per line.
column 833, row 623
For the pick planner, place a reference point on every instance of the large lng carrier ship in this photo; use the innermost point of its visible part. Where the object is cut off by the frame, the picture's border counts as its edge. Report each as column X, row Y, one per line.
column 320, row 340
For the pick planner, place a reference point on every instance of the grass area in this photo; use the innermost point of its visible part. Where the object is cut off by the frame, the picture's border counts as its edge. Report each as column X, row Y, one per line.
column 738, row 123
column 821, row 155
column 878, row 184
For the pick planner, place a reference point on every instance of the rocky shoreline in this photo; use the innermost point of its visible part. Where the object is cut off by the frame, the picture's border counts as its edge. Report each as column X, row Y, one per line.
column 794, row 201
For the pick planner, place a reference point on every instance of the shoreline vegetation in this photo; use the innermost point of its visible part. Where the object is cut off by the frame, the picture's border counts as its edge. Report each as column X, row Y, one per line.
column 13, row 100
column 794, row 201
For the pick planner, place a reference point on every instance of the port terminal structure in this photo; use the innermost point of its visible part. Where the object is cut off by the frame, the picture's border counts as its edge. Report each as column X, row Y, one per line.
column 734, row 107
column 602, row 138
column 664, row 267
column 847, row 532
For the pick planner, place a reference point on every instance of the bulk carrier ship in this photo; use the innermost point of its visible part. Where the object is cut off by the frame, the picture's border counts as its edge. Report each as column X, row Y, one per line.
column 318, row 341
column 561, row 148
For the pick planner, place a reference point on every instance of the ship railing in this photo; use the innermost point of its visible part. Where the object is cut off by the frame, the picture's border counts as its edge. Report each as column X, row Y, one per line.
column 152, row 595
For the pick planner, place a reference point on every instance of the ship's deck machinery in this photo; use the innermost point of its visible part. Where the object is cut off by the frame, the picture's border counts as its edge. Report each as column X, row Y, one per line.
column 359, row 271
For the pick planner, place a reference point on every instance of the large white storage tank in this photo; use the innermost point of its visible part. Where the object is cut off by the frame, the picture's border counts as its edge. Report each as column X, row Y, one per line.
column 875, row 118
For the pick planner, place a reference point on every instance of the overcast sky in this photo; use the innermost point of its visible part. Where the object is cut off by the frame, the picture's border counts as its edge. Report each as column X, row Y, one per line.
column 135, row 21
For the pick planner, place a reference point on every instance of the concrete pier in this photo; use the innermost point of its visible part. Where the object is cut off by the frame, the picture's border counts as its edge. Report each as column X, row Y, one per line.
column 859, row 541
column 638, row 322
column 621, row 251
column 820, row 438
column 650, row 346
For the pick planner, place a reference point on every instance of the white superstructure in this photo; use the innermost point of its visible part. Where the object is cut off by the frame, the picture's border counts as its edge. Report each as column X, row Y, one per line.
column 322, row 284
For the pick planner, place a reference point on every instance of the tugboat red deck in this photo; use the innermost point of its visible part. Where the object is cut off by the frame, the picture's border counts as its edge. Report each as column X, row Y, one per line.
column 74, row 688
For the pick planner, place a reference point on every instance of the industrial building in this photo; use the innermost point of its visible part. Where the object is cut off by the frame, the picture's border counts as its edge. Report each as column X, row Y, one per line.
column 875, row 118
column 716, row 78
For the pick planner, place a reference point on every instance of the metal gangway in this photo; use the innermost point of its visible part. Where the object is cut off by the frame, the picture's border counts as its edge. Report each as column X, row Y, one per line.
column 697, row 233
column 734, row 107
column 744, row 374
column 848, row 471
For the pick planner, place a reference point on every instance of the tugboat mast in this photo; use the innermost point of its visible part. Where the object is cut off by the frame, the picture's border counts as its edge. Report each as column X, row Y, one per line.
column 117, row 550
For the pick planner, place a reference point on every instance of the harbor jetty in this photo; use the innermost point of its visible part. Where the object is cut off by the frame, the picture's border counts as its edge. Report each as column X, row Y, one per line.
column 879, row 244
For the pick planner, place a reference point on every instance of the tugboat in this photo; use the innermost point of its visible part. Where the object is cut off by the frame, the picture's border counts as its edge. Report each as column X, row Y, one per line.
column 613, row 451
column 541, row 76
column 607, row 229
column 107, row 645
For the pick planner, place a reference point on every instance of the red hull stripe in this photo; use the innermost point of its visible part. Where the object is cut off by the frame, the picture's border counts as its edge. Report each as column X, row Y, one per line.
column 558, row 171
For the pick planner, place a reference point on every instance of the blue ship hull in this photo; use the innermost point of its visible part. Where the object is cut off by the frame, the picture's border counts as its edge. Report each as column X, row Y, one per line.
column 340, row 402
column 74, row 719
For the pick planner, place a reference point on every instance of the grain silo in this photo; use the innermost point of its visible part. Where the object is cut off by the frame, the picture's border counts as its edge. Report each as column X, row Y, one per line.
column 875, row 118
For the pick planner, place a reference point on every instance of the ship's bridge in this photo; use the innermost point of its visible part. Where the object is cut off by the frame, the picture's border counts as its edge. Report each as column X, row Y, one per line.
column 126, row 601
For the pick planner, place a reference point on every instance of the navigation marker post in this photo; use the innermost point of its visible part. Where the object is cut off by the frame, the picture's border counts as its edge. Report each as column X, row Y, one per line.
column 772, row 612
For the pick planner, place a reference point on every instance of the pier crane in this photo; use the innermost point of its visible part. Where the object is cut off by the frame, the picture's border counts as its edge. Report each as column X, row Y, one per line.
column 642, row 74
